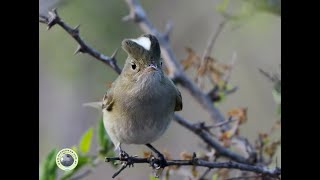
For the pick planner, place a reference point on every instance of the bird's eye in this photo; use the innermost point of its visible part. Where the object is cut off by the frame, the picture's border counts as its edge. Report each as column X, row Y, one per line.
column 161, row 63
column 133, row 66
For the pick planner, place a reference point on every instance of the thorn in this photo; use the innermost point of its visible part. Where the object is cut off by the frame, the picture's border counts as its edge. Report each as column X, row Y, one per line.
column 114, row 54
column 127, row 18
column 53, row 18
column 194, row 155
column 78, row 50
column 54, row 10
column 75, row 31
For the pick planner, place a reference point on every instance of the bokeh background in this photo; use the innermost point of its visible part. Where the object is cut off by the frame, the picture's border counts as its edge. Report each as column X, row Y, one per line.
column 66, row 81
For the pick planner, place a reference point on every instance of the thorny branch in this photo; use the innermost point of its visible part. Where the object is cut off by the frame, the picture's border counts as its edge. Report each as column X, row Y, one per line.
column 272, row 172
column 138, row 15
column 83, row 47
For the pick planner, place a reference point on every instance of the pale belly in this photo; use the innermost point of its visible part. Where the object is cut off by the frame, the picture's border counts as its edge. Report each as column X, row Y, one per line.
column 138, row 129
column 142, row 114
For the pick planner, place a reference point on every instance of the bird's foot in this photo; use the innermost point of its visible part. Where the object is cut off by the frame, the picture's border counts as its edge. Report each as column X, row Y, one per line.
column 159, row 162
column 126, row 159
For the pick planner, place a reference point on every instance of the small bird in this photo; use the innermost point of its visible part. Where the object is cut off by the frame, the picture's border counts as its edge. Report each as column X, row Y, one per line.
column 141, row 102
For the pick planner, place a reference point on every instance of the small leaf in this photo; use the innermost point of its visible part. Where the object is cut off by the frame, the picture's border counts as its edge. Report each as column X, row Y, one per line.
column 75, row 149
column 186, row 155
column 48, row 166
column 147, row 154
column 215, row 176
column 85, row 141
column 239, row 113
column 153, row 178
column 222, row 6
column 191, row 59
column 194, row 171
column 276, row 96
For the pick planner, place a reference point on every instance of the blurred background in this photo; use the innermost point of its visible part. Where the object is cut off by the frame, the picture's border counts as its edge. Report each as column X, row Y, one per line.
column 67, row 81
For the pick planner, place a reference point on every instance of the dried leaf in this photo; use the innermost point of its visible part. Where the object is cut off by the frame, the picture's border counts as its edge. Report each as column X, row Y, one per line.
column 194, row 171
column 239, row 114
column 185, row 155
column 272, row 148
column 223, row 173
column 191, row 59
column 166, row 154
column 147, row 154
column 227, row 134
column 205, row 66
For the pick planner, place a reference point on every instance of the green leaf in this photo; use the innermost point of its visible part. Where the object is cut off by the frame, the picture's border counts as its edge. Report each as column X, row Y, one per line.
column 75, row 149
column 215, row 176
column 276, row 96
column 151, row 177
column 48, row 166
column 85, row 141
column 222, row 6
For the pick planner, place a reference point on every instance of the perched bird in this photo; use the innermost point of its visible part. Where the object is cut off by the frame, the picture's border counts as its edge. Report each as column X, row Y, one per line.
column 140, row 104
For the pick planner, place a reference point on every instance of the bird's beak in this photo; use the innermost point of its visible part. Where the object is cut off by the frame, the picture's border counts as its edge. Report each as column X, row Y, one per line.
column 154, row 67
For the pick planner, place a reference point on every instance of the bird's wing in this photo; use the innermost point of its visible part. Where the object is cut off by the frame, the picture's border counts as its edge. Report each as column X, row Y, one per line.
column 178, row 106
column 108, row 100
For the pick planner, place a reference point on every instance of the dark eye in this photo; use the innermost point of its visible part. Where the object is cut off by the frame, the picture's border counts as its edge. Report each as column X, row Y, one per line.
column 161, row 63
column 133, row 66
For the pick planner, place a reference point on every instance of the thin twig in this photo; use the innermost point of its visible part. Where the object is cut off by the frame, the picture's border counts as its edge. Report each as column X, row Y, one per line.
column 202, row 177
column 213, row 94
column 210, row 44
column 83, row 47
column 229, row 70
column 222, row 123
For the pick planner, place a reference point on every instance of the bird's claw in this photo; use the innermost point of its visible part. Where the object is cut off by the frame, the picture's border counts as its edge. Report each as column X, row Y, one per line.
column 126, row 159
column 158, row 163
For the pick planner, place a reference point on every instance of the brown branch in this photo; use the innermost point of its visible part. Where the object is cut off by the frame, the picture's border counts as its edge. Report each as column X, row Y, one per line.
column 273, row 172
column 83, row 47
column 138, row 15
